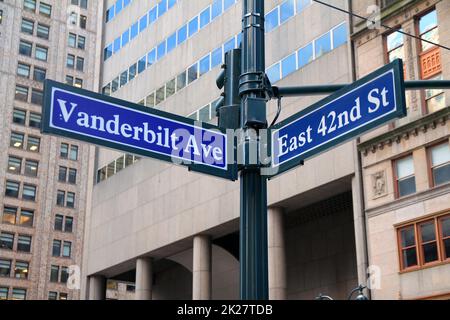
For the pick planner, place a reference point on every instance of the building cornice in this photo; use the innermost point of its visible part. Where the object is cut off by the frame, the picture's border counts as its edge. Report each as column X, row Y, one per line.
column 428, row 122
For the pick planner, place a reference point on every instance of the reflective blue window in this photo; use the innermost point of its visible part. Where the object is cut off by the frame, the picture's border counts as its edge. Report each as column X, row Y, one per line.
column 142, row 64
column 340, row 35
column 171, row 3
column 193, row 26
column 110, row 13
column 204, row 65
column 272, row 20
column 117, row 44
column 143, row 23
column 287, row 10
column 216, row 57
column 151, row 57
column 301, row 4
column 229, row 45
column 124, row 78
column 323, row 44
column 126, row 3
column 305, row 55
column 132, row 72
column 227, row 4
column 162, row 8
column 161, row 50
column 125, row 37
column 274, row 73
column 119, row 6
column 182, row 34
column 205, row 17
column 108, row 52
column 152, row 15
column 171, row 42
column 216, row 9
column 239, row 39
column 288, row 65
column 134, row 31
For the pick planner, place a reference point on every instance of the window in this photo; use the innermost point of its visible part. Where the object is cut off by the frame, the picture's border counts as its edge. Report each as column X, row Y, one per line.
column 287, row 10
column 5, row 268
column 171, row 42
column 19, row 116
column 70, row 61
column 424, row 242
column 124, row 78
column 1, row 19
column 17, row 140
column 80, row 64
column 428, row 28
column 6, row 241
column 192, row 74
column 35, row 120
column 45, row 9
column 160, row 97
column 132, row 72
column 73, row 153
column 70, row 202
column 37, row 96
column 64, row 150
column 25, row 48
column 162, row 7
column 14, row 165
column 161, row 50
column 204, row 114
column 21, row 93
column 54, row 274
column 62, row 174
column 52, row 295
column 394, row 45
column 272, row 20
column 440, row 163
column 9, row 215
column 12, row 189
column 61, row 198
column 405, row 180
column 72, row 40
column 216, row 57
column 81, row 44
column 64, row 274
column 24, row 243
column 29, row 5
column 29, row 192
column 151, row 57
column 27, row 26
column 68, row 226
column 26, row 218
column 23, row 70
column 301, row 4
column 19, row 294
column 43, row 31
column 67, row 249
column 323, row 44
column 274, row 73
column 216, row 9
column 56, row 248
column 31, row 168
column 59, row 220
column 288, row 65
column 170, row 88
column 204, row 65
column 408, row 248
column 21, row 270
column 39, row 74
column 339, row 35
column 435, row 98
column 3, row 290
column 72, row 178
column 143, row 23
column 181, row 34
column 193, row 26
column 142, row 63
column 41, row 53
column 205, row 17
column 181, row 80
column 33, row 144
column 80, row 3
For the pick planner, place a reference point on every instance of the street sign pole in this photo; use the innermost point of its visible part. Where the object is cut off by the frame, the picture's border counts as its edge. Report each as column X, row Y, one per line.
column 253, row 218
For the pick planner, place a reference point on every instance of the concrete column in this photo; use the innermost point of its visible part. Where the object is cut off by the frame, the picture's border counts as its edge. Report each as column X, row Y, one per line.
column 201, row 268
column 144, row 277
column 97, row 288
column 277, row 255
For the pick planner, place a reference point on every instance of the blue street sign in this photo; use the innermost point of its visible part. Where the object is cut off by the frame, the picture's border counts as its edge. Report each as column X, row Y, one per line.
column 83, row 115
column 357, row 108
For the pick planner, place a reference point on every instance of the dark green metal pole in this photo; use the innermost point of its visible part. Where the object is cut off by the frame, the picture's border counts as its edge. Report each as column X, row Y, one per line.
column 253, row 222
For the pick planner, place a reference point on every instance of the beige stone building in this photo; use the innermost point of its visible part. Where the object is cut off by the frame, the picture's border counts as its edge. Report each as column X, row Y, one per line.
column 406, row 164
column 43, row 180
